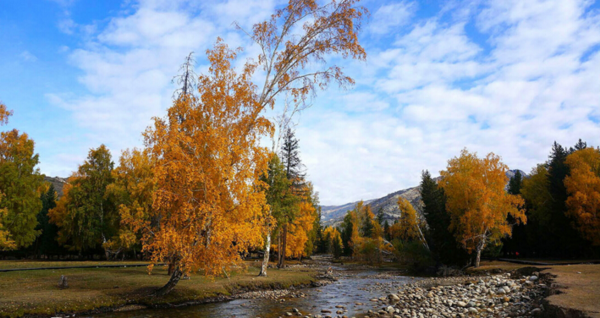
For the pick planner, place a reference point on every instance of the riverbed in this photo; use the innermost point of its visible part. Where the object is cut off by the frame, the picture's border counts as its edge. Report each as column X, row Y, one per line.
column 350, row 294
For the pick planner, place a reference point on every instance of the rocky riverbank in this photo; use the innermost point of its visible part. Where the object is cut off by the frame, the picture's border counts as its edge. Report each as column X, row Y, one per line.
column 506, row 295
column 502, row 295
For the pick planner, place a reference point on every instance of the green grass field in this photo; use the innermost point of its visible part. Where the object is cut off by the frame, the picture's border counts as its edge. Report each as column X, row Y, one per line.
column 36, row 264
column 37, row 293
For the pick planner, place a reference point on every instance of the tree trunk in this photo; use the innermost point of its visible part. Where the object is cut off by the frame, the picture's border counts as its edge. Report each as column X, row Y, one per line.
column 480, row 247
column 283, row 247
column 265, row 263
column 171, row 268
column 171, row 284
column 278, row 248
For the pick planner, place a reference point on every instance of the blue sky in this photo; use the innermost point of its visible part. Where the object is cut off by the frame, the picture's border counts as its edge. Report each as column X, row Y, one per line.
column 504, row 76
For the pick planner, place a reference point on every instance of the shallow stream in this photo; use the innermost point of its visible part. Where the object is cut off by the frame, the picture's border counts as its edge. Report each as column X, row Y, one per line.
column 353, row 290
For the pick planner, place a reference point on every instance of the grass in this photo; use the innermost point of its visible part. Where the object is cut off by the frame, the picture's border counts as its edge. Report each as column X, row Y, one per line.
column 578, row 285
column 491, row 266
column 37, row 292
column 36, row 264
column 580, row 288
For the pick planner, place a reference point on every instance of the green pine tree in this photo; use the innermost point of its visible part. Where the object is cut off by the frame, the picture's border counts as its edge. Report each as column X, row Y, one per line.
column 46, row 243
column 443, row 245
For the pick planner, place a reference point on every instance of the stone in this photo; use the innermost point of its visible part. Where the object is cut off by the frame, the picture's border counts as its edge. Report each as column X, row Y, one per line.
column 536, row 311
column 62, row 284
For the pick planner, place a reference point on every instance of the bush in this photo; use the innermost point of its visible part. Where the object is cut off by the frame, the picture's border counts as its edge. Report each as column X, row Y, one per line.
column 414, row 254
column 369, row 251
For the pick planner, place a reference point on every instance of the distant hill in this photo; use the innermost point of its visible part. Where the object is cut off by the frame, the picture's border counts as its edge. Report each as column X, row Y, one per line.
column 58, row 183
column 334, row 214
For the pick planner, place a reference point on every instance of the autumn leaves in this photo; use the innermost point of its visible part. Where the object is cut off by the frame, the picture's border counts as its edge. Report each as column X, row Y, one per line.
column 477, row 201
column 583, row 187
column 20, row 187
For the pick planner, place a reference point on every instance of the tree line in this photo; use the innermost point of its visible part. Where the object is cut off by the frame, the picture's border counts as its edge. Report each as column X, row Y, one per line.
column 474, row 209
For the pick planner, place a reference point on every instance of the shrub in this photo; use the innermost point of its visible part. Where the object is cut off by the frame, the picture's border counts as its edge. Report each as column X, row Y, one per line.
column 413, row 254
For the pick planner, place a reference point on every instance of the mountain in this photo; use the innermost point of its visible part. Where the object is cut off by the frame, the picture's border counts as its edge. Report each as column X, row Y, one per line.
column 58, row 184
column 334, row 214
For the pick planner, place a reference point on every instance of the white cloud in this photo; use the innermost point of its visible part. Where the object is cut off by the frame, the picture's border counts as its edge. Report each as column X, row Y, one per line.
column 67, row 25
column 389, row 17
column 513, row 88
column 529, row 90
column 27, row 56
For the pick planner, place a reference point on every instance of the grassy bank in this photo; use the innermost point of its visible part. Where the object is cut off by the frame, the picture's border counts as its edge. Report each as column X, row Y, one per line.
column 36, row 264
column 576, row 288
column 37, row 292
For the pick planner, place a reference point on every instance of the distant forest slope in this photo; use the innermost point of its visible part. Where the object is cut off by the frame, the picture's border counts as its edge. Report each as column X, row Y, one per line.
column 57, row 182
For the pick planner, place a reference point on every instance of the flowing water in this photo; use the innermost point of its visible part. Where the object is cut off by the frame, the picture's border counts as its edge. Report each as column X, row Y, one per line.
column 353, row 290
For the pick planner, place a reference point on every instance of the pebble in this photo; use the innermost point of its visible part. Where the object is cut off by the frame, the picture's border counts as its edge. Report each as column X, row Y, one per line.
column 464, row 297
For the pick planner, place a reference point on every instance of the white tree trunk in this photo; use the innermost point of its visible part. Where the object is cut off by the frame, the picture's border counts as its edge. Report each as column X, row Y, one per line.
column 265, row 264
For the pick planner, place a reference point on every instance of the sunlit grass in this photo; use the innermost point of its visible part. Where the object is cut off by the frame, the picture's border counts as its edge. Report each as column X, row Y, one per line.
column 37, row 292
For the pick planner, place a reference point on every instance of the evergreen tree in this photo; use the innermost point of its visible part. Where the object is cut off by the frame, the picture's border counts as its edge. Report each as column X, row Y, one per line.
column 346, row 230
column 550, row 232
column 281, row 200
column 578, row 146
column 517, row 243
column 380, row 215
column 515, row 183
column 46, row 243
column 562, row 239
column 290, row 156
column 367, row 223
column 442, row 243
column 386, row 230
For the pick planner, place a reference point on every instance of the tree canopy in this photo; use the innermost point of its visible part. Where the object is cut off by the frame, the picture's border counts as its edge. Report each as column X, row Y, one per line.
column 477, row 202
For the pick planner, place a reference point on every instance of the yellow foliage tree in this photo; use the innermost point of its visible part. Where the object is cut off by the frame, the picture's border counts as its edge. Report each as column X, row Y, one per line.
column 21, row 185
column 132, row 191
column 477, row 200
column 333, row 240
column 409, row 225
column 366, row 241
column 298, row 231
column 535, row 191
column 583, row 187
column 6, row 242
column 85, row 214
column 207, row 203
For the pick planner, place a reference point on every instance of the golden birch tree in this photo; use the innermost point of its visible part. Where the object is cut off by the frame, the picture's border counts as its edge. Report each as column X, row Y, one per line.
column 293, row 45
column 209, row 161
column 583, row 187
column 477, row 200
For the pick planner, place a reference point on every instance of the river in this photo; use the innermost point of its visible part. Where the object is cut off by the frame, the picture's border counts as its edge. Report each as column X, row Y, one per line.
column 353, row 290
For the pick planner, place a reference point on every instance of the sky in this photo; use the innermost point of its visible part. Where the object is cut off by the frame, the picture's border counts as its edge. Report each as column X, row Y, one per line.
column 509, row 77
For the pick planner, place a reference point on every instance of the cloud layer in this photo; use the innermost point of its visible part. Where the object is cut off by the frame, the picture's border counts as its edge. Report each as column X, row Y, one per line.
column 503, row 76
